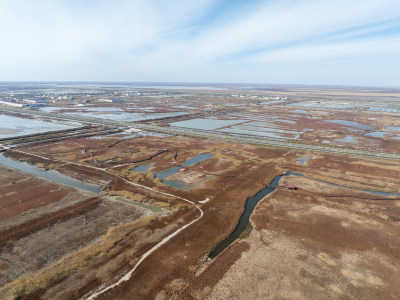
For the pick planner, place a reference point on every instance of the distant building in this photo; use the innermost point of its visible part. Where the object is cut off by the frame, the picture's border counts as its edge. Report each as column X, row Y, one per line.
column 112, row 100
column 133, row 130
column 35, row 102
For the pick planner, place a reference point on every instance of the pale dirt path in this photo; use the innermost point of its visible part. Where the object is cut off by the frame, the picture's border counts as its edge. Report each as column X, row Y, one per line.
column 128, row 275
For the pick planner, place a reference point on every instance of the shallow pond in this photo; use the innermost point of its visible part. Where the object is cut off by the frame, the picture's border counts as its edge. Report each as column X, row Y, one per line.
column 141, row 168
column 49, row 174
column 384, row 109
column 351, row 124
column 125, row 116
column 303, row 160
column 254, row 133
column 321, row 105
column 395, row 128
column 265, row 129
column 207, row 124
column 79, row 108
column 111, row 113
column 185, row 106
column 14, row 126
column 377, row 134
column 300, row 111
column 346, row 139
column 271, row 124
column 175, row 183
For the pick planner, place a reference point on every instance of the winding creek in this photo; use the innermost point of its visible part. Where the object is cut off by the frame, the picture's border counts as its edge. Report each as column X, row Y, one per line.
column 252, row 202
column 250, row 205
column 244, row 219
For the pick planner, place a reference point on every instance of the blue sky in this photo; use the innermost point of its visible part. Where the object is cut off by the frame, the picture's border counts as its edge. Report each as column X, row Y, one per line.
column 353, row 42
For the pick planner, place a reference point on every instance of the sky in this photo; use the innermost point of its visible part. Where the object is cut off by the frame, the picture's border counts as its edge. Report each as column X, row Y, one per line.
column 329, row 42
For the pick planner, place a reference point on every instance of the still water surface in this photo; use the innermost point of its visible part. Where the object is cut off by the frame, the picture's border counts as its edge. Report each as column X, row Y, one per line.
column 49, row 174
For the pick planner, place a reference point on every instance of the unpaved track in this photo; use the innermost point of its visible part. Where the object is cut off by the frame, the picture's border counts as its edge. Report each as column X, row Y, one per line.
column 128, row 275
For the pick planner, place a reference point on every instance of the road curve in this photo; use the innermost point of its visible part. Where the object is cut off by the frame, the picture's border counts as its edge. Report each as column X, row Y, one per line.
column 128, row 275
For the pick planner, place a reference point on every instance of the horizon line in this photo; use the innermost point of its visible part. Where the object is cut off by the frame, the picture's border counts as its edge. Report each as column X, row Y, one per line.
column 196, row 83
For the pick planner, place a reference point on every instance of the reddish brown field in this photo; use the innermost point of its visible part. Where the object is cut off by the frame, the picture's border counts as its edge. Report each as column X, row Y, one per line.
column 290, row 227
column 29, row 197
column 306, row 247
column 43, row 221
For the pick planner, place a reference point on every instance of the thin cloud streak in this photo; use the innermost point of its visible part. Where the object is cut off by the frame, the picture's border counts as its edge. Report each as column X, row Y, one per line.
column 355, row 50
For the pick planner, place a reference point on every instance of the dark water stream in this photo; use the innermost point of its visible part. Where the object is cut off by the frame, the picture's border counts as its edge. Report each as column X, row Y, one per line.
column 250, row 205
column 252, row 202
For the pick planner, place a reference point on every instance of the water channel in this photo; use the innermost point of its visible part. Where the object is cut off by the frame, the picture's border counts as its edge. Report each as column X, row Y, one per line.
column 175, row 183
column 250, row 205
column 252, row 202
column 49, row 174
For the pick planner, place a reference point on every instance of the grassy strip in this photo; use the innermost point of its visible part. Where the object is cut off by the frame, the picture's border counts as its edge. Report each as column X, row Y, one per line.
column 153, row 208
column 76, row 261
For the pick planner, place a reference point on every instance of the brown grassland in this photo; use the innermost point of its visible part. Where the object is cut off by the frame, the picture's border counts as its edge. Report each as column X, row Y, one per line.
column 301, row 245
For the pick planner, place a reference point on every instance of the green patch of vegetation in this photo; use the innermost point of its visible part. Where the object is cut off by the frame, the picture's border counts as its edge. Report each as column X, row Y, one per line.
column 5, row 260
column 153, row 208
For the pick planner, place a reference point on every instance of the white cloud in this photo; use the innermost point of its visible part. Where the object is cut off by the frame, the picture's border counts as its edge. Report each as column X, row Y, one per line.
column 174, row 41
column 332, row 52
column 76, row 32
column 283, row 22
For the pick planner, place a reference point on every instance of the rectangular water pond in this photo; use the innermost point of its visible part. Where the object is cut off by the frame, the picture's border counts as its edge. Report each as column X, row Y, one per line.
column 351, row 124
column 14, row 126
column 206, row 124
column 395, row 128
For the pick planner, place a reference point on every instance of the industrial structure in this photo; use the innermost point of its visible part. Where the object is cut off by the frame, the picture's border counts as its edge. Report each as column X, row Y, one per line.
column 112, row 100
